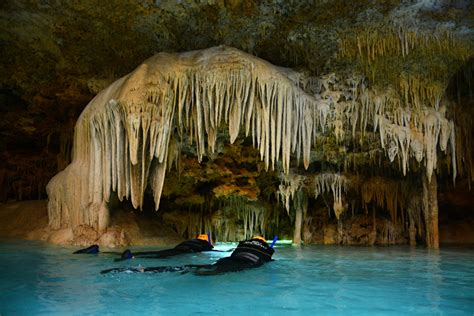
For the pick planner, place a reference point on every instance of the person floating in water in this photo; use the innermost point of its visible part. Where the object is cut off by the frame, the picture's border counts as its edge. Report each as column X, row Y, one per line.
column 201, row 243
column 249, row 254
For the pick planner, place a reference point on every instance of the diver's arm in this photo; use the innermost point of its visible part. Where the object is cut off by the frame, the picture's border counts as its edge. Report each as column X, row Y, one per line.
column 117, row 270
column 215, row 250
column 161, row 269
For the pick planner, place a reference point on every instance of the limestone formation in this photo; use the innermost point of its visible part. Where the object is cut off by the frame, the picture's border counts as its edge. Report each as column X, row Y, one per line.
column 354, row 119
column 122, row 138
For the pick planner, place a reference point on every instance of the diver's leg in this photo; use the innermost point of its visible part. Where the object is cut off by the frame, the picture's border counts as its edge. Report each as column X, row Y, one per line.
column 160, row 254
column 164, row 269
column 112, row 252
column 89, row 250
column 117, row 270
column 95, row 249
column 127, row 254
column 145, row 270
column 225, row 265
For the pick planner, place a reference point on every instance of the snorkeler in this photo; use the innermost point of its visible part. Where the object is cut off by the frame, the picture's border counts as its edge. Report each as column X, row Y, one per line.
column 200, row 243
column 249, row 254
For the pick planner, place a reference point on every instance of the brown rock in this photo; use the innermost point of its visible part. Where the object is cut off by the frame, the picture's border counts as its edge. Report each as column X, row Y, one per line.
column 61, row 237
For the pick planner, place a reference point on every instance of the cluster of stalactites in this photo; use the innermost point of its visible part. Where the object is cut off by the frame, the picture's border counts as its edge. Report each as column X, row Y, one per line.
column 122, row 137
column 418, row 138
column 290, row 184
column 386, row 194
column 406, row 131
column 335, row 183
column 380, row 192
column 240, row 92
column 322, row 183
column 234, row 218
column 370, row 44
column 238, row 218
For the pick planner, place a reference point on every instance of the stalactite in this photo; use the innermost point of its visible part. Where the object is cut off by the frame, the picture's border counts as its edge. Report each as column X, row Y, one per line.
column 334, row 183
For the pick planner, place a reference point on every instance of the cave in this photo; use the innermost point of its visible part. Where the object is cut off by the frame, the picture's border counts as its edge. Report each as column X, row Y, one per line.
column 381, row 106
column 326, row 123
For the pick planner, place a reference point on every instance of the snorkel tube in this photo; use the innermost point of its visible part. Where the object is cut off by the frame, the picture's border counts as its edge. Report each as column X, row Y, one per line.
column 274, row 241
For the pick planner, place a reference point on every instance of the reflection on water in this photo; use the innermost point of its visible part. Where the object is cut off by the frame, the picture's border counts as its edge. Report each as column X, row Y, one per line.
column 41, row 279
column 57, row 282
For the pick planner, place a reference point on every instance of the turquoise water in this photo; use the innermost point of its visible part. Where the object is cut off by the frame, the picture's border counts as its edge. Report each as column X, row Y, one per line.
column 36, row 278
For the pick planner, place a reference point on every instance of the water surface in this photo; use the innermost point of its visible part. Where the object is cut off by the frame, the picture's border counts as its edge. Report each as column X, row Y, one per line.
column 36, row 278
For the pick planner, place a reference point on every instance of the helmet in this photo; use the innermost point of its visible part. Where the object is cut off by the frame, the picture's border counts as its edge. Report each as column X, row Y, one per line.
column 203, row 237
column 259, row 238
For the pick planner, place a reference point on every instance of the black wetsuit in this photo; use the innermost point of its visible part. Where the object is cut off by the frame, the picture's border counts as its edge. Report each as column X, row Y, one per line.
column 188, row 246
column 248, row 254
column 89, row 250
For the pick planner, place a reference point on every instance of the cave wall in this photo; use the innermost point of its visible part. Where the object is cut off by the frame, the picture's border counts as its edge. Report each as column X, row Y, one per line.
column 57, row 55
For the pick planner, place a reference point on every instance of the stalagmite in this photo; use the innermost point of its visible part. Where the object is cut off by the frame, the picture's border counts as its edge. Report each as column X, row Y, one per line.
column 414, row 210
column 430, row 211
column 298, row 224
column 300, row 203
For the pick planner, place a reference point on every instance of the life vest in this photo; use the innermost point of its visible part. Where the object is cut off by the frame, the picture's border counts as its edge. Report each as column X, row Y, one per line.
column 194, row 245
column 253, row 250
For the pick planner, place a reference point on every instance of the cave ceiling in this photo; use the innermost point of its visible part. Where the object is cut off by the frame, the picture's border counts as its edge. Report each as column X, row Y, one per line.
column 57, row 55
